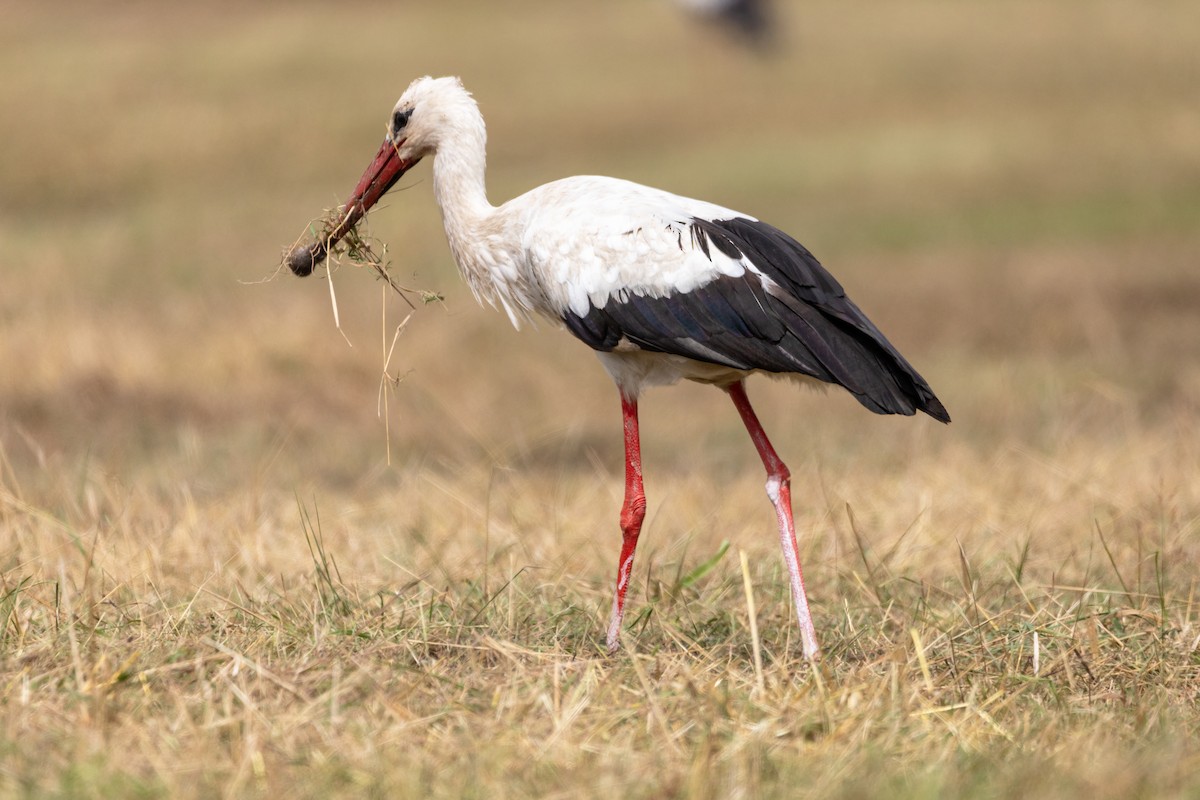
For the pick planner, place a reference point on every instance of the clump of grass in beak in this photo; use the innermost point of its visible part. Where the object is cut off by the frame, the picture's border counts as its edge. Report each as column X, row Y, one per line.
column 336, row 238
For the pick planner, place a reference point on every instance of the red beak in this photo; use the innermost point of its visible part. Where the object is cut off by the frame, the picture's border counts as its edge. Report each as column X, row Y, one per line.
column 381, row 175
column 385, row 169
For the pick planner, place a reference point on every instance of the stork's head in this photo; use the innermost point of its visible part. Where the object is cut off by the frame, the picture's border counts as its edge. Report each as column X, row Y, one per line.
column 429, row 111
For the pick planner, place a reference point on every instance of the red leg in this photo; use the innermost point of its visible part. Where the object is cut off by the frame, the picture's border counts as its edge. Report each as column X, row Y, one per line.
column 632, row 513
column 779, row 489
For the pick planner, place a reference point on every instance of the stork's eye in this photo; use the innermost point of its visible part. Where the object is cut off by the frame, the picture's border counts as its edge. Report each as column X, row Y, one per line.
column 400, row 119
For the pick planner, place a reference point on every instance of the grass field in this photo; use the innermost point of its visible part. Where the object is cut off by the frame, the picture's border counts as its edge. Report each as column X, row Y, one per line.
column 222, row 573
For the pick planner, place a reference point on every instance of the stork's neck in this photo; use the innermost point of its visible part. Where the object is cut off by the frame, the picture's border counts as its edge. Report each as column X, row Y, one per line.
column 472, row 223
column 458, row 185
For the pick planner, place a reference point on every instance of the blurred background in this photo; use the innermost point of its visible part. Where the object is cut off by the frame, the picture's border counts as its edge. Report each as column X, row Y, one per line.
column 1011, row 190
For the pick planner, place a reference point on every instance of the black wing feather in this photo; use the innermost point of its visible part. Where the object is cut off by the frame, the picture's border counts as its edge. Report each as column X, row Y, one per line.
column 807, row 325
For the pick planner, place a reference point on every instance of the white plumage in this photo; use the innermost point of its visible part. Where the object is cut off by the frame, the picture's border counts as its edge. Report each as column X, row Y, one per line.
column 590, row 239
column 662, row 287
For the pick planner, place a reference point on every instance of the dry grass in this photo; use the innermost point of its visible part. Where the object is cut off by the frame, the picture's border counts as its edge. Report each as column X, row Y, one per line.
column 213, row 583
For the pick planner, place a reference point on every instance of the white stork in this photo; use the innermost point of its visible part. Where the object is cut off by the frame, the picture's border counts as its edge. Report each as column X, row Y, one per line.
column 662, row 287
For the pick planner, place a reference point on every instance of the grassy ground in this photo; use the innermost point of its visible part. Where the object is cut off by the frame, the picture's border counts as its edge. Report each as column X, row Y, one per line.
column 213, row 582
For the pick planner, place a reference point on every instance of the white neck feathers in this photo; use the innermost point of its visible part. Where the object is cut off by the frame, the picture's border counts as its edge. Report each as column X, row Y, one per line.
column 473, row 225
